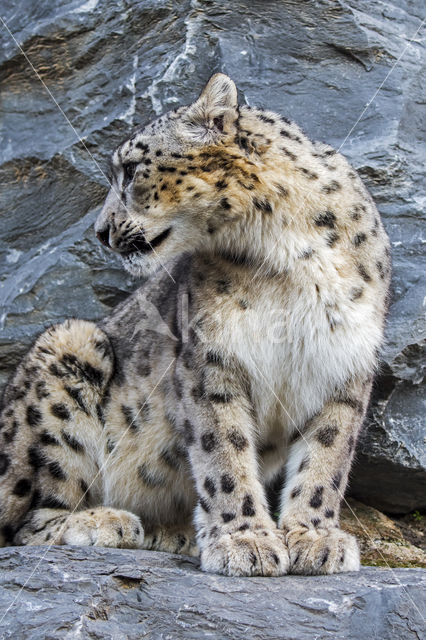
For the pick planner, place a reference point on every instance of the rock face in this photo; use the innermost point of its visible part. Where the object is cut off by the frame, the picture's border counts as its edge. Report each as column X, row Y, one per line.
column 113, row 65
column 127, row 595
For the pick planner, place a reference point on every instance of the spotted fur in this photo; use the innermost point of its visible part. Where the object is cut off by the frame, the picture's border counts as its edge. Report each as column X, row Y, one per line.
column 250, row 348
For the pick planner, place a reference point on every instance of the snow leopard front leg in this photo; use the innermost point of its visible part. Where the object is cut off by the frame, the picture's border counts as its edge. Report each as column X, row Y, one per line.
column 317, row 471
column 235, row 532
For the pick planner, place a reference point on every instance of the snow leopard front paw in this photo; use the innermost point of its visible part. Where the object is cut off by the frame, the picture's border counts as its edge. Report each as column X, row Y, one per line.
column 103, row 527
column 322, row 551
column 259, row 552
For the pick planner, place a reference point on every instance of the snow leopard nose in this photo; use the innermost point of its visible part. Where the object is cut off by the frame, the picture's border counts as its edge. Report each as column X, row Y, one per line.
column 103, row 236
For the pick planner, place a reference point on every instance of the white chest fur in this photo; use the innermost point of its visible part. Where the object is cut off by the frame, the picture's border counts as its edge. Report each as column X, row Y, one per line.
column 299, row 344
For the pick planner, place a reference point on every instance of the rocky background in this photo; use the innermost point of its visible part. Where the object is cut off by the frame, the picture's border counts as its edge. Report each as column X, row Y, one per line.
column 94, row 69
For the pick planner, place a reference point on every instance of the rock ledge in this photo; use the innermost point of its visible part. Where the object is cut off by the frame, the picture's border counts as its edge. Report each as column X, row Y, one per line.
column 116, row 594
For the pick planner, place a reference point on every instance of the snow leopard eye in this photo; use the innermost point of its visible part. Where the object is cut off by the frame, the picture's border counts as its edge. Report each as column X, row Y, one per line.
column 129, row 171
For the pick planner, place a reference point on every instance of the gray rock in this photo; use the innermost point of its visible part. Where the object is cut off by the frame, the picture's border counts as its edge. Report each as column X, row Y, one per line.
column 114, row 594
column 114, row 65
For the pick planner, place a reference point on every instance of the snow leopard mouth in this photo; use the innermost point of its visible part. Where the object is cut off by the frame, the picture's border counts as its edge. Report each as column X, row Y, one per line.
column 140, row 245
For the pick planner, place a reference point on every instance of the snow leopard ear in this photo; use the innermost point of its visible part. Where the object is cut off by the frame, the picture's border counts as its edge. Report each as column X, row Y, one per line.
column 215, row 112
